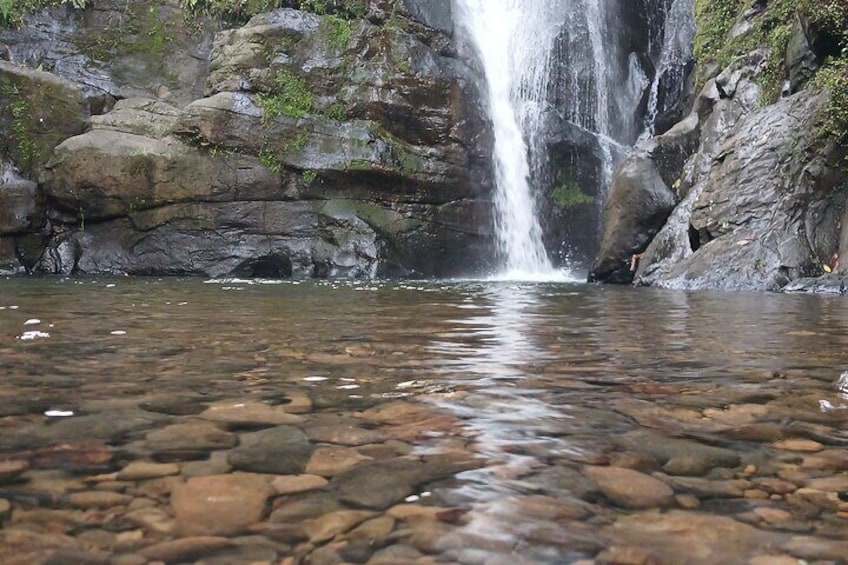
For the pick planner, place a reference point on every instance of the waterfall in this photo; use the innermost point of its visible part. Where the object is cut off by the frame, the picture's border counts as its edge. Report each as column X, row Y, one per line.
column 514, row 42
column 678, row 37
column 555, row 65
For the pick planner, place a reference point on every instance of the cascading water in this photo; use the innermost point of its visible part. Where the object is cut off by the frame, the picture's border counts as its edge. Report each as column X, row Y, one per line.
column 602, row 68
column 677, row 40
column 514, row 42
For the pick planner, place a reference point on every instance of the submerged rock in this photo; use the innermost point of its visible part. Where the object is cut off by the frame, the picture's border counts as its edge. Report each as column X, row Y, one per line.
column 220, row 504
column 281, row 450
column 631, row 489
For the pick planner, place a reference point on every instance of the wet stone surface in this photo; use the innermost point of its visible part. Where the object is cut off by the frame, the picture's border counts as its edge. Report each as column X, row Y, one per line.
column 228, row 423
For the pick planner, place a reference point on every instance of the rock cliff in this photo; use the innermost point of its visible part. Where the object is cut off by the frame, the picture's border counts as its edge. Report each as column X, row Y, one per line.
column 142, row 139
column 749, row 190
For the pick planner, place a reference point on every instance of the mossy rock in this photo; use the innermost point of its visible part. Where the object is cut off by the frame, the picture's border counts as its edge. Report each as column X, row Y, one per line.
column 38, row 111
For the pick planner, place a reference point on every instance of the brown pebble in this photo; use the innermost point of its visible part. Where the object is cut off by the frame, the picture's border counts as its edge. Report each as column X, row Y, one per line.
column 628, row 555
column 756, row 494
column 797, row 444
column 687, row 501
column 773, row 560
column 843, row 515
column 749, row 470
column 772, row 515
column 11, row 469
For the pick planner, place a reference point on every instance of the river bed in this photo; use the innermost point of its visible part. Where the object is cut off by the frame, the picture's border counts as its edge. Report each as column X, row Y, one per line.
column 228, row 422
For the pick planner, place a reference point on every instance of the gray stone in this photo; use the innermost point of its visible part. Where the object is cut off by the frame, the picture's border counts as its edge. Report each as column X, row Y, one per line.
column 20, row 203
column 801, row 62
column 380, row 484
column 638, row 204
column 281, row 450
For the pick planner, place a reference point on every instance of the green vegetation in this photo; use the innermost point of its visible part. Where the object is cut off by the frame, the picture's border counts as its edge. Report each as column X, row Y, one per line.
column 309, row 176
column 568, row 194
column 290, row 97
column 12, row 12
column 714, row 49
column 834, row 78
column 336, row 111
column 239, row 11
column 136, row 31
column 20, row 134
column 269, row 160
column 270, row 152
column 337, row 30
column 714, row 19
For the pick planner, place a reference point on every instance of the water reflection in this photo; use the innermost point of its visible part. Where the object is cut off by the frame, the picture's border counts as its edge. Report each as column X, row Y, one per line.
column 494, row 352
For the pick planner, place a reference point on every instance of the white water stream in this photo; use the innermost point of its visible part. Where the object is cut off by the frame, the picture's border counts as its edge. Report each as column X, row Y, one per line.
column 514, row 45
column 528, row 49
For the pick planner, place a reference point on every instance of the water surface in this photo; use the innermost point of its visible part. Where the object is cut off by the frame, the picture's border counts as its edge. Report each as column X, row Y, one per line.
column 525, row 409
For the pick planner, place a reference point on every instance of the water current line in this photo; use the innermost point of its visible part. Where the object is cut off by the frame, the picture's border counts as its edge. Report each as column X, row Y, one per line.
column 678, row 38
column 514, row 41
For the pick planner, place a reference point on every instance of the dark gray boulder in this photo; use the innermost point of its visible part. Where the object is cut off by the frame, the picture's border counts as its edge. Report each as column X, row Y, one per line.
column 21, row 203
column 637, row 206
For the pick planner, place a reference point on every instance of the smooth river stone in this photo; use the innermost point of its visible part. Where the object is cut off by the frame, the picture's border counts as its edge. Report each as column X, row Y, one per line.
column 798, row 444
column 249, row 413
column 830, row 484
column 631, row 489
column 142, row 470
column 215, row 464
column 332, row 461
column 292, row 484
column 184, row 549
column 282, row 450
column 98, row 499
column 375, row 531
column 665, row 448
column 817, row 549
column 342, row 434
column 330, row 525
column 695, row 538
column 706, row 488
column 189, row 440
column 297, row 508
column 381, row 484
column 220, row 504
column 399, row 412
column 152, row 519
column 11, row 469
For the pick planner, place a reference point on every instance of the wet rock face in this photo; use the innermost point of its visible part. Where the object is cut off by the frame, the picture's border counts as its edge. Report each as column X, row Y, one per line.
column 764, row 205
column 760, row 196
column 638, row 204
column 117, row 49
column 322, row 147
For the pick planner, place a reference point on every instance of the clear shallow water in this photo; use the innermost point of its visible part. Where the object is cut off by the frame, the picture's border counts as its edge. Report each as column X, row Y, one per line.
column 510, row 394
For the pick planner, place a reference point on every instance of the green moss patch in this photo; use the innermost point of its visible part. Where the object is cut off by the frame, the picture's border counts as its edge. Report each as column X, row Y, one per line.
column 237, row 12
column 12, row 12
column 568, row 194
column 290, row 96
